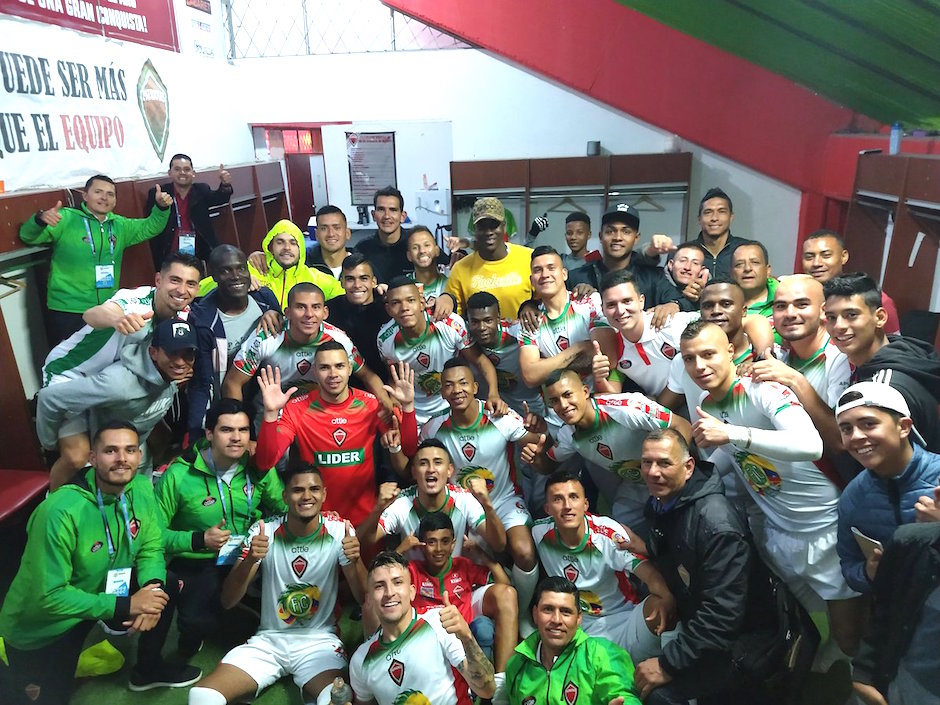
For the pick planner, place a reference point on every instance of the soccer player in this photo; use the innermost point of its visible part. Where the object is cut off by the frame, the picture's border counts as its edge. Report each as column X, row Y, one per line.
column 89, row 545
column 332, row 234
column 593, row 552
column 770, row 440
column 335, row 426
column 483, row 446
column 560, row 663
column 400, row 512
column 299, row 553
column 478, row 589
column 293, row 349
column 425, row 345
column 607, row 431
column 423, row 253
column 414, row 657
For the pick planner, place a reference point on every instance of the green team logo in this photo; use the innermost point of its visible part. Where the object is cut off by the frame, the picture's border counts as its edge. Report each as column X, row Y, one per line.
column 761, row 475
column 337, row 459
column 469, row 472
column 430, row 383
column 412, row 697
column 629, row 470
column 591, row 603
column 298, row 603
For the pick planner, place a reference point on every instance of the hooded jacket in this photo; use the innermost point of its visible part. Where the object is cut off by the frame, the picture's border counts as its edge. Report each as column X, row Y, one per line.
column 189, row 501
column 62, row 577
column 131, row 389
column 280, row 280
column 74, row 258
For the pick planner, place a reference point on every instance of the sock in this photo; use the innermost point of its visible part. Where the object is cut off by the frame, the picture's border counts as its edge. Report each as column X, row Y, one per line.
column 205, row 696
column 525, row 583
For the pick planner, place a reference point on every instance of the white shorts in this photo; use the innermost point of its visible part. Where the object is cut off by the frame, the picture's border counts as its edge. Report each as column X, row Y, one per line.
column 628, row 629
column 809, row 559
column 512, row 511
column 271, row 655
column 476, row 600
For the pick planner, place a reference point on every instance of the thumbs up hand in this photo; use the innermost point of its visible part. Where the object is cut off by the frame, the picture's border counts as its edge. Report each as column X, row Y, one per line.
column 162, row 198
column 258, row 545
column 531, row 450
column 708, row 431
column 350, row 543
column 600, row 364
column 51, row 216
column 693, row 290
column 533, row 422
column 224, row 176
column 452, row 621
column 216, row 537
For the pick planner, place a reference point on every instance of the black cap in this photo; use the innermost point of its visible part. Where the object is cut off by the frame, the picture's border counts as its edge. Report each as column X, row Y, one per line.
column 622, row 213
column 174, row 335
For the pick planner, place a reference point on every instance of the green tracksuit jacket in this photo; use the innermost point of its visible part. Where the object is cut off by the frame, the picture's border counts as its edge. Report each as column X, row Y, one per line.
column 189, row 502
column 72, row 271
column 590, row 671
column 62, row 577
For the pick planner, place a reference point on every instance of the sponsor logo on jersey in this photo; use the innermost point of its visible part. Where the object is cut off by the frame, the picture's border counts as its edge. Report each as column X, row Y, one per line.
column 208, row 501
column 629, row 470
column 396, row 671
column 339, row 435
column 604, row 450
column 571, row 572
column 298, row 565
column 96, row 546
column 562, row 342
column 427, row 589
column 298, row 603
column 134, row 527
column 570, row 693
column 339, row 420
column 468, row 450
column 591, row 603
column 625, row 364
column 668, row 351
column 470, row 471
column 339, row 459
column 303, row 366
column 424, row 360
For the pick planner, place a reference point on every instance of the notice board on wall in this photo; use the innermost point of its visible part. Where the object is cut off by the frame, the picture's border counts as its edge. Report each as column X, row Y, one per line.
column 371, row 158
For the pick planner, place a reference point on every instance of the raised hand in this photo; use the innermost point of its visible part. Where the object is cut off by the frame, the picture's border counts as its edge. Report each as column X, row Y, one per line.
column 533, row 422
column 708, row 431
column 477, row 487
column 694, row 288
column 600, row 363
column 258, row 545
column 162, row 198
column 451, row 619
column 388, row 491
column 350, row 543
column 269, row 379
column 539, row 225
column 132, row 322
column 409, row 542
column 927, row 508
column 216, row 537
column 402, row 388
column 52, row 216
column 660, row 245
column 532, row 450
column 224, row 176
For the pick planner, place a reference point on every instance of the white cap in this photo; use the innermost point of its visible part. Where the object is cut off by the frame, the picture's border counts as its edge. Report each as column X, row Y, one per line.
column 880, row 395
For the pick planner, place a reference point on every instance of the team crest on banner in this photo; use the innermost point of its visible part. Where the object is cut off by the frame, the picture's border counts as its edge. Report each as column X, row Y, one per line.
column 153, row 98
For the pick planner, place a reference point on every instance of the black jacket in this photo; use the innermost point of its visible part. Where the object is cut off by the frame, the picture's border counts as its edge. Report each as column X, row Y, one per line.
column 909, row 571
column 201, row 198
column 720, row 266
column 315, row 260
column 703, row 549
column 362, row 324
column 650, row 280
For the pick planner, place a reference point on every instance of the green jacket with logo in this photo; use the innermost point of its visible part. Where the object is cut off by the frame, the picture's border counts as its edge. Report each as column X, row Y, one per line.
column 62, row 577
column 188, row 498
column 589, row 671
column 72, row 270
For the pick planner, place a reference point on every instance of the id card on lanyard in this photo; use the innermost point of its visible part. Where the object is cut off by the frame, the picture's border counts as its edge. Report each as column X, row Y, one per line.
column 187, row 238
column 104, row 273
column 229, row 552
column 119, row 579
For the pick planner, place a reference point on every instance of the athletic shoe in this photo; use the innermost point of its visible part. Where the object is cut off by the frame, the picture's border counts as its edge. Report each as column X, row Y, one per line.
column 165, row 676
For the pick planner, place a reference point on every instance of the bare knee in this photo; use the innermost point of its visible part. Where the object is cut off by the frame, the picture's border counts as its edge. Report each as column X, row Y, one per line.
column 500, row 602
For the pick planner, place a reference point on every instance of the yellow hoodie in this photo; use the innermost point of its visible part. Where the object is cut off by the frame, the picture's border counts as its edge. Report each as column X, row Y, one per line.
column 280, row 280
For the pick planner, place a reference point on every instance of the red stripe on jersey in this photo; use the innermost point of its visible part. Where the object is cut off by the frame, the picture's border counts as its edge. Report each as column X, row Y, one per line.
column 642, row 353
column 828, row 468
column 626, row 588
column 602, row 529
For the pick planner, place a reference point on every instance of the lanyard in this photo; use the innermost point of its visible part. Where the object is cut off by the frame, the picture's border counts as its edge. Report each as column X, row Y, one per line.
column 91, row 240
column 249, row 490
column 107, row 529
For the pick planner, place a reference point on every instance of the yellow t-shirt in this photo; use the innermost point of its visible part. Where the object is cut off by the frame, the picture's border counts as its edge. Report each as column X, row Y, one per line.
column 506, row 279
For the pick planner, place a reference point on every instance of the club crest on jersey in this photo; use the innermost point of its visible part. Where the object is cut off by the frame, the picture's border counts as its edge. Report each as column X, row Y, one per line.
column 303, row 366
column 571, row 572
column 396, row 671
column 668, row 351
column 604, row 450
column 208, row 501
column 458, row 590
column 529, row 700
column 562, row 342
column 298, row 565
column 96, row 546
column 570, row 693
column 625, row 364
column 339, row 435
column 134, row 527
column 468, row 450
column 424, row 360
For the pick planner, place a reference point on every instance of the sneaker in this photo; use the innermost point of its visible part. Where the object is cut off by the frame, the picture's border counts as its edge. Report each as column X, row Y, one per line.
column 189, row 646
column 166, row 676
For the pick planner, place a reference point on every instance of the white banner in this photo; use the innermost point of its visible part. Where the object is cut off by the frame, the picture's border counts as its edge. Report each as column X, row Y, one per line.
column 74, row 105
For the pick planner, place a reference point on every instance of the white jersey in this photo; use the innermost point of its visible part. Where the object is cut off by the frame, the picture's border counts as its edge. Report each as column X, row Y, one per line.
column 88, row 350
column 431, row 291
column 419, row 667
column 295, row 360
column 505, row 358
column 679, row 381
column 442, row 341
column 598, row 566
column 484, row 449
column 299, row 574
column 648, row 361
column 827, row 370
column 404, row 514
column 795, row 496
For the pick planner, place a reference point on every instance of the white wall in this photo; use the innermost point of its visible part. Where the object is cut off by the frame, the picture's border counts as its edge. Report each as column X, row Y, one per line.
column 498, row 111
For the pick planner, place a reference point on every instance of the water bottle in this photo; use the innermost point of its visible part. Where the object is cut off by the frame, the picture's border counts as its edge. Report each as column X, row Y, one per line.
column 894, row 142
column 340, row 693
